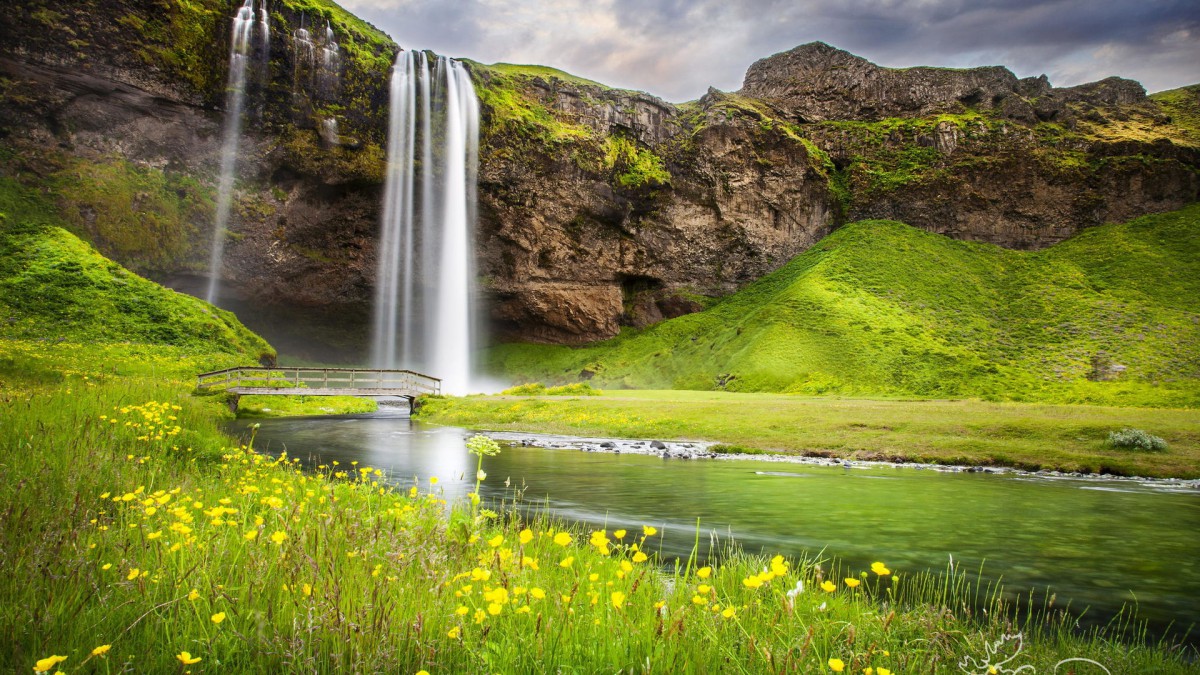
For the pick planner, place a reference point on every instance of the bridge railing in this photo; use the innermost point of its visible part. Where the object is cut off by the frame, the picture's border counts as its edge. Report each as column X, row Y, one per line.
column 357, row 379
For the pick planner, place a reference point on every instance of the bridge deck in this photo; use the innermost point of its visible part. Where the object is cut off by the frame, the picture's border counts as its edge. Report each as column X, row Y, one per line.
column 292, row 381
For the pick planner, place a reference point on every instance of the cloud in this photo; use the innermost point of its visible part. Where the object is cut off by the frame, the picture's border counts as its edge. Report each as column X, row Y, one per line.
column 677, row 48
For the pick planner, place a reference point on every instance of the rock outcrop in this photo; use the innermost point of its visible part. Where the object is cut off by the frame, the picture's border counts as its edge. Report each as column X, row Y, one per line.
column 599, row 208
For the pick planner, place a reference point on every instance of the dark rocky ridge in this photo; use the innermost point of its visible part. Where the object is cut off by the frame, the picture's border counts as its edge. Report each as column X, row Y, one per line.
column 598, row 207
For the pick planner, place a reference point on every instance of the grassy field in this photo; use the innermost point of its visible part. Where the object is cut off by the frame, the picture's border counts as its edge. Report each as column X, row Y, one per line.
column 879, row 308
column 972, row 432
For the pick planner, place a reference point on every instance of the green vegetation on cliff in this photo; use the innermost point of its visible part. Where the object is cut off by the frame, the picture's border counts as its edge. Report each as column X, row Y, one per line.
column 53, row 286
column 880, row 308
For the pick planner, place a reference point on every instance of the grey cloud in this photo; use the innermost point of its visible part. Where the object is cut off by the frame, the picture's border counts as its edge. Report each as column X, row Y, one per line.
column 677, row 48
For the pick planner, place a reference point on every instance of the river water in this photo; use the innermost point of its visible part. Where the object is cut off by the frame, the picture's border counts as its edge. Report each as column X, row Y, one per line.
column 1093, row 543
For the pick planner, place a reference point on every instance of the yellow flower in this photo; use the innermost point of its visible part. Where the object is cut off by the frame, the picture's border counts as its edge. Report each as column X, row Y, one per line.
column 828, row 586
column 279, row 537
column 703, row 589
column 526, row 536
column 562, row 539
column 461, row 611
column 306, row 589
column 728, row 613
column 567, row 561
column 194, row 594
column 593, row 577
column 187, row 659
column 752, row 581
column 101, row 650
column 218, row 617
column 106, row 566
column 154, row 535
column 649, row 530
column 537, row 593
column 836, row 665
column 250, row 535
column 433, row 480
column 880, row 569
column 494, row 608
column 852, row 582
column 618, row 599
column 704, row 572
column 453, row 633
column 495, row 541
column 422, row 672
column 619, row 534
column 47, row 663
column 133, row 574
column 639, row 557
column 882, row 671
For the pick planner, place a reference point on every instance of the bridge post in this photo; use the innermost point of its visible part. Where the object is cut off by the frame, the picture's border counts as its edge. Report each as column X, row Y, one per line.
column 233, row 403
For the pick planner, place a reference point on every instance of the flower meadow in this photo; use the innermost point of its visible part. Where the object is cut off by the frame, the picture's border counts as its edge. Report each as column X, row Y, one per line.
column 138, row 538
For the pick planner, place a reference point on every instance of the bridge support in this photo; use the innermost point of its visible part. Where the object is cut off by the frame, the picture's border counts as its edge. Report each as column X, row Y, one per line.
column 232, row 401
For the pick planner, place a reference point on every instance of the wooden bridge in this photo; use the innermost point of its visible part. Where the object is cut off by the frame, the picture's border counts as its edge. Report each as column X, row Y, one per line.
column 283, row 381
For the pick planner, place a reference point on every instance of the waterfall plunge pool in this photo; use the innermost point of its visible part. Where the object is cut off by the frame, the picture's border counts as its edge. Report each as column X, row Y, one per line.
column 1091, row 543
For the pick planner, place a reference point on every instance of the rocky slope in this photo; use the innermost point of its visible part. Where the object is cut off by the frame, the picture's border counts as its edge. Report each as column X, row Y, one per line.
column 598, row 207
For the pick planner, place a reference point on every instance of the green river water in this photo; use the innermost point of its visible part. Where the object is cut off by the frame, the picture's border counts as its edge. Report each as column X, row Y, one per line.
column 1095, row 544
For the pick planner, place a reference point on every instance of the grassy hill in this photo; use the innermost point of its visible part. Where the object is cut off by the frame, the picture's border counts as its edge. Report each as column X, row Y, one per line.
column 56, row 289
column 881, row 308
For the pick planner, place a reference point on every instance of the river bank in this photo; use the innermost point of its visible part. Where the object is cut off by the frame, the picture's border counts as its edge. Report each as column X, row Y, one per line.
column 704, row 450
column 1068, row 439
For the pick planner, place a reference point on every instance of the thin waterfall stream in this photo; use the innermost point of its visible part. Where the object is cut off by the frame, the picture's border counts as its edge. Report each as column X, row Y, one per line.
column 240, row 47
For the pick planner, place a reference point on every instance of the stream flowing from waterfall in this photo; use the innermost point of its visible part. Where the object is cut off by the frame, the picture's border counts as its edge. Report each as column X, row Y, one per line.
column 424, row 294
column 1095, row 543
column 240, row 47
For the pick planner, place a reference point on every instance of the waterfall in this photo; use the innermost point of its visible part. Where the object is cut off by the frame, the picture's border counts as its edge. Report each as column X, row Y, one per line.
column 424, row 295
column 235, row 94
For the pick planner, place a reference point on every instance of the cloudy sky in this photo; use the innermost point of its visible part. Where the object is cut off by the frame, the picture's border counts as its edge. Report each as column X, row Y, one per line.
column 676, row 49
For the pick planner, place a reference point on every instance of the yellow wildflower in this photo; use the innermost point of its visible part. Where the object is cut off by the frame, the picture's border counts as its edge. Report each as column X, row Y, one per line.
column 728, row 613
column 752, row 581
column 495, row 541
column 828, row 586
column 526, row 536
column 882, row 671
column 101, row 650
column 567, row 561
column 537, row 593
column 187, row 659
column 250, row 535
column 852, row 582
column 279, row 537
column 133, row 574
column 462, row 610
column 562, row 539
column 649, row 530
column 193, row 595
column 704, row 572
column 47, row 663
column 494, row 609
column 453, row 633
column 837, row 665
column 639, row 557
column 619, row 534
column 880, row 569
column 218, row 617
column 618, row 599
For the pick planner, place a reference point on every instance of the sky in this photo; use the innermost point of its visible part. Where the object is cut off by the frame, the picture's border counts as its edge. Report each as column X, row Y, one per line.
column 676, row 49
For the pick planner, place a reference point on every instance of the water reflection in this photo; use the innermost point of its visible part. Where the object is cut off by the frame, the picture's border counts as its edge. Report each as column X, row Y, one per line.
column 1093, row 543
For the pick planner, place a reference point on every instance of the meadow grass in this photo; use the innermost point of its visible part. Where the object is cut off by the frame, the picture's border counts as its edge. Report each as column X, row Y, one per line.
column 133, row 527
column 879, row 308
column 972, row 432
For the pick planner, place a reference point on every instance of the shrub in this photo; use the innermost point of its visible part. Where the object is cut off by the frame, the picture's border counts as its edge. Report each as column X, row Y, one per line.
column 1135, row 439
column 577, row 389
column 527, row 389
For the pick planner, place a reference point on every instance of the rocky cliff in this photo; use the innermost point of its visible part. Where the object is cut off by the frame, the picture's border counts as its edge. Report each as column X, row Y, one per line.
column 598, row 207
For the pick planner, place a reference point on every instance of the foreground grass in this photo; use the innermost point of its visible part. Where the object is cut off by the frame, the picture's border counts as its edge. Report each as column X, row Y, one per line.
column 1031, row 436
column 131, row 526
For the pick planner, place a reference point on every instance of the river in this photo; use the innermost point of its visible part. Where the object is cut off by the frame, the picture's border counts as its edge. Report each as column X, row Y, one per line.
column 1092, row 543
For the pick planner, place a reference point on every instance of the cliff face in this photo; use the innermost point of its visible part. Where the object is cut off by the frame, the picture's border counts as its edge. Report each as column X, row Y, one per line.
column 598, row 207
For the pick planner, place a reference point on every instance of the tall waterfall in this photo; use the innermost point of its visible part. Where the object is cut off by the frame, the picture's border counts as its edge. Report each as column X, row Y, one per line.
column 424, row 295
column 240, row 45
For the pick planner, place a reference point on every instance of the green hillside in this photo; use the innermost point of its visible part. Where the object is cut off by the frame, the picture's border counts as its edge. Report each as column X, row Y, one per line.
column 881, row 308
column 55, row 288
